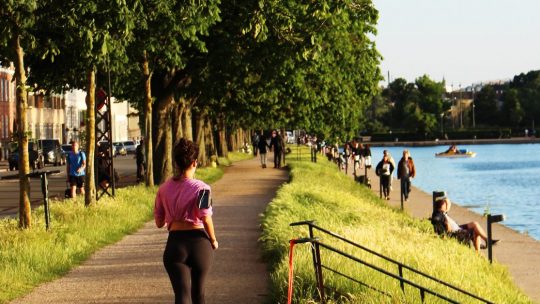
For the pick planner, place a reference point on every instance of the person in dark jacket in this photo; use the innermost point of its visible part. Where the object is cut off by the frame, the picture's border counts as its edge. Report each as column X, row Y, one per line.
column 140, row 155
column 405, row 172
column 261, row 146
column 276, row 144
column 384, row 169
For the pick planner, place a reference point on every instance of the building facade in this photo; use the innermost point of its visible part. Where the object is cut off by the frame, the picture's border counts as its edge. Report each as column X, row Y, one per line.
column 45, row 116
column 7, row 108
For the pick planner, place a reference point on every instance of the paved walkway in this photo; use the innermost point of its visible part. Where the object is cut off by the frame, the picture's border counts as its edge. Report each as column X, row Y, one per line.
column 131, row 270
column 521, row 253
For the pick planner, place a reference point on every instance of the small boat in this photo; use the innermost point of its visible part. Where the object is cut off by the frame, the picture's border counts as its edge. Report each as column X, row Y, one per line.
column 459, row 154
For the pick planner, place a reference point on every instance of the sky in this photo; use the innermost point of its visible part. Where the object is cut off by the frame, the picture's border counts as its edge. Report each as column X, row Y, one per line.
column 464, row 42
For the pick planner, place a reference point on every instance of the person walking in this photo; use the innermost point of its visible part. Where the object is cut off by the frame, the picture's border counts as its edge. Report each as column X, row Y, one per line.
column 262, row 145
column 276, row 144
column 405, row 173
column 391, row 160
column 75, row 169
column 384, row 170
column 367, row 156
column 255, row 142
column 140, row 155
column 183, row 206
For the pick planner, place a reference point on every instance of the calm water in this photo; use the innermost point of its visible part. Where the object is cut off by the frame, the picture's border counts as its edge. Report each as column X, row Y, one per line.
column 503, row 178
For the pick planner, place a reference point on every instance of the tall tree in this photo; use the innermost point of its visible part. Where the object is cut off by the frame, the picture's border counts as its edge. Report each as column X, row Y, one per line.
column 486, row 110
column 17, row 19
column 81, row 40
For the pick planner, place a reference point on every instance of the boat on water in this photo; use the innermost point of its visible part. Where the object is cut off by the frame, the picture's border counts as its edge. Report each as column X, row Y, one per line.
column 456, row 154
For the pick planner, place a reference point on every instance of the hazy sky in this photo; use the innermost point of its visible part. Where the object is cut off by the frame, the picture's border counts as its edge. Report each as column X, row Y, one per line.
column 463, row 41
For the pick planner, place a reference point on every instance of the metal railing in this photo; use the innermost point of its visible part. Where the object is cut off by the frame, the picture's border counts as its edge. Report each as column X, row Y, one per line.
column 318, row 266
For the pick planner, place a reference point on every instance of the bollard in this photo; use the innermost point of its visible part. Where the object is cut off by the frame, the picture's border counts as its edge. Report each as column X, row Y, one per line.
column 490, row 220
column 45, row 192
column 436, row 195
column 401, row 194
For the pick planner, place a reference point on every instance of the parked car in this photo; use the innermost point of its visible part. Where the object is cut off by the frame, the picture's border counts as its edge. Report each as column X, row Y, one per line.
column 52, row 151
column 35, row 156
column 130, row 146
column 120, row 148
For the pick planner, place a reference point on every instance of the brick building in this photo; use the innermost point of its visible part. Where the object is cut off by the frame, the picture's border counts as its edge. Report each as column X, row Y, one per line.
column 7, row 107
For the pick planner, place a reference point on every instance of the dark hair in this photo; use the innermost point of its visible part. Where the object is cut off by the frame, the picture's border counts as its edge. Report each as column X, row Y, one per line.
column 185, row 153
column 439, row 203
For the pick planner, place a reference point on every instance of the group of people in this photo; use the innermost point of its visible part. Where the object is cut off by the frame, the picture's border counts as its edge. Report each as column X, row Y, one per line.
column 261, row 145
column 406, row 171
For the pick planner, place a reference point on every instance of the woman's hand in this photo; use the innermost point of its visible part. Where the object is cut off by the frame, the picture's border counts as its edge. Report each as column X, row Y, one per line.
column 215, row 244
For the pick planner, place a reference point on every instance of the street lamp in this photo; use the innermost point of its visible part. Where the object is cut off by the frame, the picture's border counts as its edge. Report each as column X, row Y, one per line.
column 473, row 106
column 473, row 119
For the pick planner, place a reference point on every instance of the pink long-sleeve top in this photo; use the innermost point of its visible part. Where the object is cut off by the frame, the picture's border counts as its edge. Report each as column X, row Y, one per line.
column 176, row 201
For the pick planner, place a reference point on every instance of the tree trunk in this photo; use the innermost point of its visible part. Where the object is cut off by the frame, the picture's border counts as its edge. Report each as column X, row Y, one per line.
column 210, row 143
column 231, row 142
column 25, row 216
column 149, row 172
column 178, row 130
column 89, row 184
column 163, row 168
column 223, row 150
column 200, row 139
column 187, row 121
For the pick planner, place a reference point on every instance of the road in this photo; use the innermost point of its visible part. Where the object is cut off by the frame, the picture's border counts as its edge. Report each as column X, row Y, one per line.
column 9, row 188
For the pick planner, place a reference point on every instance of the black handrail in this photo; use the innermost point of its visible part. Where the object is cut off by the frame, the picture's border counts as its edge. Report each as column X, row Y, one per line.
column 401, row 279
column 311, row 224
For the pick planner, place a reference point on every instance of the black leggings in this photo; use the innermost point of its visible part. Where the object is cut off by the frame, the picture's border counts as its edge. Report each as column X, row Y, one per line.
column 187, row 258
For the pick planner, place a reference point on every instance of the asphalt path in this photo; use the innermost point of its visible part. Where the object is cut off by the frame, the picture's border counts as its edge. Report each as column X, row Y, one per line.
column 9, row 184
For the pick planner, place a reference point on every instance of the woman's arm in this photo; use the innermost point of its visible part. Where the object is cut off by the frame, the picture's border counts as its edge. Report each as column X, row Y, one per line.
column 209, row 227
column 159, row 222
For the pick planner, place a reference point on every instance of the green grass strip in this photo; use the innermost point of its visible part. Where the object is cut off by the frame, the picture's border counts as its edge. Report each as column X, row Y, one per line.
column 317, row 191
column 34, row 256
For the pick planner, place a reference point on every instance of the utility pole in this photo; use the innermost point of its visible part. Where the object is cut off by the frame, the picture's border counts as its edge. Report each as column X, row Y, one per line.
column 473, row 109
column 460, row 109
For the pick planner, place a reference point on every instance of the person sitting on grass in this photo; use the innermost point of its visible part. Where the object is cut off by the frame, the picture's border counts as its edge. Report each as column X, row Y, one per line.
column 473, row 229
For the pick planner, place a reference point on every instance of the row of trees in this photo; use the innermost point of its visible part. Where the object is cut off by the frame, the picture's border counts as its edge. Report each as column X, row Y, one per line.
column 413, row 106
column 513, row 104
column 416, row 106
column 196, row 69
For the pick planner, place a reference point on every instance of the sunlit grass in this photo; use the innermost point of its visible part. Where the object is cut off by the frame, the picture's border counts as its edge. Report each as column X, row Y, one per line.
column 34, row 256
column 319, row 192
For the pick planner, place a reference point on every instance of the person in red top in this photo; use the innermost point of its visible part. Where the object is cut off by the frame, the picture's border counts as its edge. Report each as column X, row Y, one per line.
column 406, row 172
column 189, row 251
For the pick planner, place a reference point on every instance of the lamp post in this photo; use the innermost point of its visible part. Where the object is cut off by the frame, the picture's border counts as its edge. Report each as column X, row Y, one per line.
column 473, row 110
column 473, row 119
column 460, row 109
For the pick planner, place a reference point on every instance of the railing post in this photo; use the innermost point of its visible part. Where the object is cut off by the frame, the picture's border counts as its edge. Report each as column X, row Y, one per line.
column 346, row 163
column 490, row 220
column 422, row 295
column 314, row 256
column 400, row 269
column 401, row 194
column 320, row 283
column 365, row 174
column 45, row 191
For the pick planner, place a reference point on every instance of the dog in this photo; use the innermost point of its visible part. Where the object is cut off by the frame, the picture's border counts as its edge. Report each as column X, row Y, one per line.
column 361, row 179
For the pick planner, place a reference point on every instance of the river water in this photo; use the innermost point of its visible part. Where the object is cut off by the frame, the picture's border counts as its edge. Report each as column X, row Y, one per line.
column 500, row 179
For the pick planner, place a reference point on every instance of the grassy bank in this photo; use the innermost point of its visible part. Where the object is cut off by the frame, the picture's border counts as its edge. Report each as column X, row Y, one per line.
column 318, row 192
column 34, row 256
